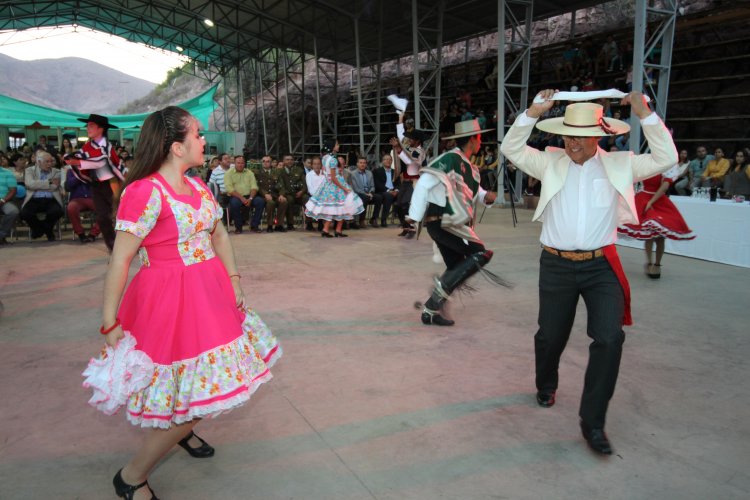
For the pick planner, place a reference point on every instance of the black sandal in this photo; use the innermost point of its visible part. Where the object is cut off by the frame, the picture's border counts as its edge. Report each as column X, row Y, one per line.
column 125, row 490
column 205, row 450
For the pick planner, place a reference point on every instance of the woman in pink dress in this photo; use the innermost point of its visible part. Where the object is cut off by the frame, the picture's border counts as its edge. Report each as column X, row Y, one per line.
column 660, row 219
column 185, row 307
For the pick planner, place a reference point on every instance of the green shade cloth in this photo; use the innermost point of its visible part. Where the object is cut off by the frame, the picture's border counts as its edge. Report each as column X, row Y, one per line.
column 15, row 113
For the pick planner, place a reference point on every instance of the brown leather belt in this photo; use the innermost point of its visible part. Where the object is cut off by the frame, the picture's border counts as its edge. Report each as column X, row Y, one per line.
column 576, row 255
column 432, row 218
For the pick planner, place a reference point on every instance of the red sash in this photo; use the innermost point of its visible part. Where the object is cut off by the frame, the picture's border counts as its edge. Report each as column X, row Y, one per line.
column 610, row 253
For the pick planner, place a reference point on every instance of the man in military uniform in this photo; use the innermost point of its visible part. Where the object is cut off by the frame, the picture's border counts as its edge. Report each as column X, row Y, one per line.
column 272, row 186
column 298, row 196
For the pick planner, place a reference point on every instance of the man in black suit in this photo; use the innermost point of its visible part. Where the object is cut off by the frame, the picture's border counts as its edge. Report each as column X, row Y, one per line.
column 386, row 185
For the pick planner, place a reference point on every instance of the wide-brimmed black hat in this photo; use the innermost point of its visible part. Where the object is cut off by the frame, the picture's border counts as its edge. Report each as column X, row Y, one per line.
column 100, row 120
column 415, row 134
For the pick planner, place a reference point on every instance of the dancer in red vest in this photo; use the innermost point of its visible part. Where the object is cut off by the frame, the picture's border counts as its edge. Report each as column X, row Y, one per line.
column 97, row 162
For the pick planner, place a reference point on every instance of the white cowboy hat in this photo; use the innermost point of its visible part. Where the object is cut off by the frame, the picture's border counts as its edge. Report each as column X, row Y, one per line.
column 467, row 128
column 584, row 119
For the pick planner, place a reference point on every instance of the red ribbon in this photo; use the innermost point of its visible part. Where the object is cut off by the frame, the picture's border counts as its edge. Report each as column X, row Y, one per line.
column 610, row 253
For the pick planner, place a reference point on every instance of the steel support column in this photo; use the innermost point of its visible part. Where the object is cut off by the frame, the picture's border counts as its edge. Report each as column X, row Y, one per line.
column 367, row 86
column 662, row 15
column 427, row 36
column 327, row 120
column 268, row 77
column 294, row 86
column 512, row 79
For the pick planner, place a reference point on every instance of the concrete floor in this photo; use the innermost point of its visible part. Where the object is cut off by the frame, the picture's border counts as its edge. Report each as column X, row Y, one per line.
column 368, row 403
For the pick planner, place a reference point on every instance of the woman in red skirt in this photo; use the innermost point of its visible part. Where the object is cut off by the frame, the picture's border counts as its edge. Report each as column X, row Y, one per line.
column 660, row 219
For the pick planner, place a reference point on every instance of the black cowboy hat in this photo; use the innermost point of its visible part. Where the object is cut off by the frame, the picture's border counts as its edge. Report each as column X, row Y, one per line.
column 415, row 134
column 100, row 120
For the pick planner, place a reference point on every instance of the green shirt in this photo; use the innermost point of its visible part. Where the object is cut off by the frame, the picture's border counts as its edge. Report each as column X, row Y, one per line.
column 243, row 182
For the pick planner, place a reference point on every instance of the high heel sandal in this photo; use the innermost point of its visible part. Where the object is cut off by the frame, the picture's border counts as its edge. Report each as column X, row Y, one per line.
column 205, row 450
column 657, row 274
column 325, row 234
column 125, row 490
column 651, row 271
column 341, row 235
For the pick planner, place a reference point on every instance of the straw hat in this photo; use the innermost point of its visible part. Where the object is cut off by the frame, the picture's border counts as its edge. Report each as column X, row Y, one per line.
column 467, row 128
column 584, row 119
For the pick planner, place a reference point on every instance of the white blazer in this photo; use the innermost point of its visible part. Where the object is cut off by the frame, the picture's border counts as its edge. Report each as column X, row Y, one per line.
column 623, row 168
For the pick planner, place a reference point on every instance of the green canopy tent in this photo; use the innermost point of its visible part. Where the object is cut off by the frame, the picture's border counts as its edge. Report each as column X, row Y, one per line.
column 15, row 113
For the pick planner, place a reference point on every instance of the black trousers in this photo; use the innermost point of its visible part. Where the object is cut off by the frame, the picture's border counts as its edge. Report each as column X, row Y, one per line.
column 561, row 282
column 101, row 193
column 453, row 248
column 50, row 207
column 376, row 200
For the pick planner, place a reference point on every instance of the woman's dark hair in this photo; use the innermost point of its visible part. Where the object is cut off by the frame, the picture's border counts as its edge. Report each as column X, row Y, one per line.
column 328, row 145
column 160, row 130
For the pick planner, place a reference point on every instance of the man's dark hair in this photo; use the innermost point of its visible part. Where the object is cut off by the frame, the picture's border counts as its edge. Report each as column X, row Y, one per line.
column 463, row 141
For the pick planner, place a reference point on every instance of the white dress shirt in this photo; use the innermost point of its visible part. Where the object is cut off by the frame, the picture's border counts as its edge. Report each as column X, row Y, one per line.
column 314, row 181
column 583, row 215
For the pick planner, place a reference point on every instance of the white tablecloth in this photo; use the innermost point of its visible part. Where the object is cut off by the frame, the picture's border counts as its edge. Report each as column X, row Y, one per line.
column 722, row 230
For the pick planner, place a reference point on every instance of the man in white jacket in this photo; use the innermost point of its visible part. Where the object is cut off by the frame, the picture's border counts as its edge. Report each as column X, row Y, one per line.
column 586, row 193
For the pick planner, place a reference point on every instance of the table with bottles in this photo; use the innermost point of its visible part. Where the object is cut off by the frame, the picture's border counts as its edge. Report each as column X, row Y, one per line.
column 722, row 230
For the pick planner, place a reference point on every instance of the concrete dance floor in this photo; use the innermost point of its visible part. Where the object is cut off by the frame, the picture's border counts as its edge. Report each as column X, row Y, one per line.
column 367, row 403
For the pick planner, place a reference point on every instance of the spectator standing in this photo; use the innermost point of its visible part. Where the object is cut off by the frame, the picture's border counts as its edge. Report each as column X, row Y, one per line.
column 80, row 200
column 242, row 189
column 43, row 196
column 8, row 210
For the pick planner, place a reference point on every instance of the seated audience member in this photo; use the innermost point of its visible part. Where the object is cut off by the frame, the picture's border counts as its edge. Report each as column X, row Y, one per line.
column 314, row 179
column 19, row 162
column 43, row 196
column 682, row 168
column 79, row 200
column 8, row 210
column 242, row 188
column 695, row 170
column 212, row 164
column 386, row 185
column 217, row 177
column 308, row 165
column 713, row 175
column 272, row 186
column 363, row 184
column 737, row 179
column 297, row 195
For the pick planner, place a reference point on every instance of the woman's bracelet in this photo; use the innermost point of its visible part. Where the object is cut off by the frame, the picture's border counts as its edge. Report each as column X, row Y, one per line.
column 234, row 276
column 105, row 332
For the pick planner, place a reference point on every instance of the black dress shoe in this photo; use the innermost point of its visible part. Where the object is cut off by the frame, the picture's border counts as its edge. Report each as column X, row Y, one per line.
column 325, row 234
column 125, row 490
column 410, row 234
column 280, row 229
column 205, row 450
column 597, row 439
column 340, row 235
column 545, row 399
column 269, row 229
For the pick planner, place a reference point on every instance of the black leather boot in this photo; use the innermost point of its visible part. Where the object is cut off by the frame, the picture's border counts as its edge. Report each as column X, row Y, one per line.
column 447, row 283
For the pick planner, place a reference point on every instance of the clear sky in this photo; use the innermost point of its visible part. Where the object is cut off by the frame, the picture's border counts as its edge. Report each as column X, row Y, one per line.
column 131, row 58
